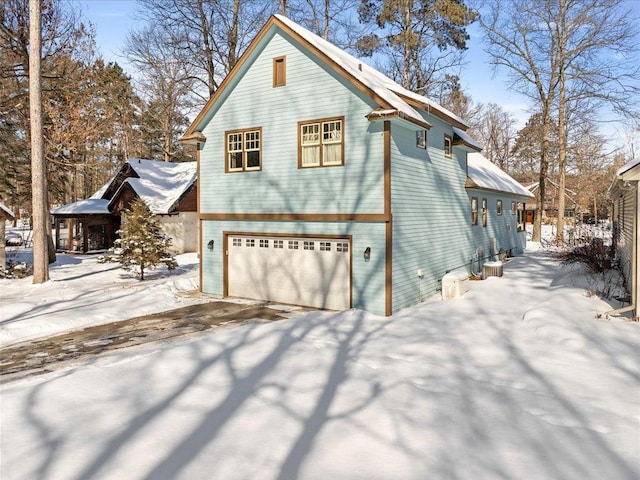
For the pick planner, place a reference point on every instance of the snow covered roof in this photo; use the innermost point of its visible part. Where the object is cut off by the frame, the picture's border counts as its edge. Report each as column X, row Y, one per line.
column 467, row 139
column 159, row 184
column 628, row 166
column 392, row 97
column 6, row 211
column 90, row 206
column 487, row 175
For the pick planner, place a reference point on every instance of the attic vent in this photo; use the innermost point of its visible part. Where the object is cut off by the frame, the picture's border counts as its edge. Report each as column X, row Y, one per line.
column 360, row 66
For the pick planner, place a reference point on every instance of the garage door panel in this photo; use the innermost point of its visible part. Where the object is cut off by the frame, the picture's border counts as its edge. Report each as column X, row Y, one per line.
column 301, row 271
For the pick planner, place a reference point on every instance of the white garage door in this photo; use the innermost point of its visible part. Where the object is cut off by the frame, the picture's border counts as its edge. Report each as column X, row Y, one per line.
column 302, row 271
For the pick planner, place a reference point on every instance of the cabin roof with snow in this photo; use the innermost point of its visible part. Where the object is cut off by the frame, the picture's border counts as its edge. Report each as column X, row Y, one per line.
column 160, row 184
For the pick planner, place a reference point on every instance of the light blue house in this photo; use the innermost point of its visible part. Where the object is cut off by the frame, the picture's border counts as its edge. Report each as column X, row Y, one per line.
column 324, row 183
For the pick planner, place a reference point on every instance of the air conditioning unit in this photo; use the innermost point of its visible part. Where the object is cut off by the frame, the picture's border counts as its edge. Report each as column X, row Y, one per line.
column 492, row 269
column 454, row 285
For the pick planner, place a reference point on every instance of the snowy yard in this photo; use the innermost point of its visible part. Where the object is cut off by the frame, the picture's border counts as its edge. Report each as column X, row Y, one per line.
column 516, row 380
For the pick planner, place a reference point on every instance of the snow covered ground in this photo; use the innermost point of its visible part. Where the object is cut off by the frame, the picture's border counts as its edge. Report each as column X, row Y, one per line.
column 83, row 292
column 516, row 380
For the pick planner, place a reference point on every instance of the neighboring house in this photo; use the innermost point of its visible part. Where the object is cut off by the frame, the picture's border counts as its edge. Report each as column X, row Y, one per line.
column 5, row 215
column 168, row 189
column 550, row 204
column 324, row 183
column 625, row 194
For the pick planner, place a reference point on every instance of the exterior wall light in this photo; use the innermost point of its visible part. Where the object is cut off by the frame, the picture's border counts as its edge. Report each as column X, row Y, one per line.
column 367, row 254
column 210, row 245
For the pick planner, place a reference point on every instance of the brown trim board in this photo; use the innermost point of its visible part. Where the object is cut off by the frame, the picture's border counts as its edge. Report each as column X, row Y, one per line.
column 307, row 217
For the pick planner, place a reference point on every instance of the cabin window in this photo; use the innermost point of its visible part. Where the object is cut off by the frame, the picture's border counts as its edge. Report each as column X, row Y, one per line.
column 513, row 208
column 448, row 146
column 321, row 143
column 421, row 138
column 244, row 150
column 499, row 207
column 484, row 212
column 279, row 72
column 474, row 210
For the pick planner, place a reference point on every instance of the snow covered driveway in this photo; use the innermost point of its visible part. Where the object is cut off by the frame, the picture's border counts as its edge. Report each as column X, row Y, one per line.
column 517, row 380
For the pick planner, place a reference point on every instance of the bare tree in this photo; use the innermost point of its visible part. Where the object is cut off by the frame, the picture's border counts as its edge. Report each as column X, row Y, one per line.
column 167, row 84
column 209, row 36
column 561, row 53
column 495, row 128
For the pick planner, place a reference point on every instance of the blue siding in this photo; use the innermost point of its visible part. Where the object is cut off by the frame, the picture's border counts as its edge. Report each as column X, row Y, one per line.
column 429, row 206
column 312, row 91
column 504, row 228
column 367, row 281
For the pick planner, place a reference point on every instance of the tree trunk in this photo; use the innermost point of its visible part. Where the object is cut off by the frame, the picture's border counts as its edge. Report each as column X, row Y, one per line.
column 327, row 5
column 38, row 167
column 562, row 132
column 542, row 179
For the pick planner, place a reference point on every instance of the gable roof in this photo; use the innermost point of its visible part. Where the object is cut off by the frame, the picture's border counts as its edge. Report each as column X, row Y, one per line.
column 160, row 184
column 393, row 99
column 486, row 175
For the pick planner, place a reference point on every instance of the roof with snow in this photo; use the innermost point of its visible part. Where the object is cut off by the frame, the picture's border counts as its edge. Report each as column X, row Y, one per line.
column 487, row 175
column 159, row 184
column 6, row 212
column 628, row 166
column 392, row 97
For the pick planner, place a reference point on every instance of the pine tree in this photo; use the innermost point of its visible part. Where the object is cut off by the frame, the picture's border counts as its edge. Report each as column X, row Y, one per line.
column 142, row 245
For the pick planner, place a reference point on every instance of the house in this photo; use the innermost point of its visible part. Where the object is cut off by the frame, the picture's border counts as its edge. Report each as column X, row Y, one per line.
column 322, row 182
column 550, row 204
column 168, row 189
column 625, row 194
column 5, row 215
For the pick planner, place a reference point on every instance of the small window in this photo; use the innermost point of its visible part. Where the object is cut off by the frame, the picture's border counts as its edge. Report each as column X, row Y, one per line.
column 309, row 245
column 278, row 244
column 484, row 212
column 499, row 207
column 279, row 72
column 293, row 245
column 237, row 242
column 513, row 208
column 421, row 139
column 249, row 242
column 244, row 150
column 342, row 247
column 448, row 146
column 325, row 246
column 474, row 210
column 321, row 143
column 264, row 243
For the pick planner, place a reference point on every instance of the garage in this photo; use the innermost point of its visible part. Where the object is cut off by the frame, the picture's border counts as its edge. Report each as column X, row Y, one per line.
column 309, row 271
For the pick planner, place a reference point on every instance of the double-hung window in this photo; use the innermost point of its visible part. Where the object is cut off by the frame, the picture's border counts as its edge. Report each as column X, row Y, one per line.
column 448, row 146
column 244, row 150
column 321, row 143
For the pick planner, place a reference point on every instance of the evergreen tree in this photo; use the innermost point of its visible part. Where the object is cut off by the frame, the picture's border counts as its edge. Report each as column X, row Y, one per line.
column 142, row 245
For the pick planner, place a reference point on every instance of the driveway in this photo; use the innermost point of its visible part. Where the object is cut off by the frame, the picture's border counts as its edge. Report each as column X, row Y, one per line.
column 45, row 355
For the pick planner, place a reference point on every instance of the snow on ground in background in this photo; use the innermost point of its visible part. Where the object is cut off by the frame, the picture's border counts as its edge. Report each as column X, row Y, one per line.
column 82, row 292
column 515, row 380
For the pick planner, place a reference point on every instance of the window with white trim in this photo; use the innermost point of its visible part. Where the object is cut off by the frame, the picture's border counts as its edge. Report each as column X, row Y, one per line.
column 448, row 146
column 244, row 150
column 321, row 143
